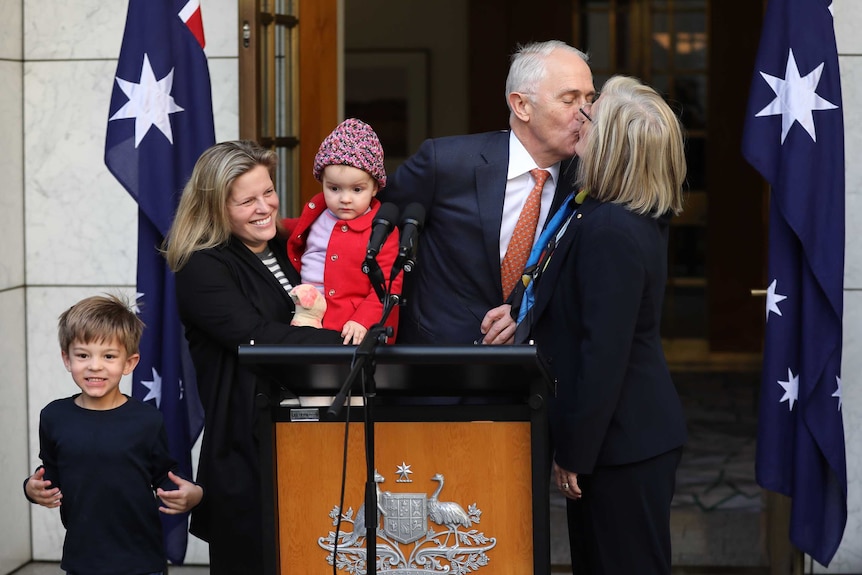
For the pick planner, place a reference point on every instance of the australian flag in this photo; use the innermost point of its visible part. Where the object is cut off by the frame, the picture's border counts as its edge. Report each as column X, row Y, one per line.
column 160, row 121
column 794, row 136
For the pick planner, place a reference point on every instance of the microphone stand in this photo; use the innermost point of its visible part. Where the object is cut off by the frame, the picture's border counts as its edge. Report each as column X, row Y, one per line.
column 364, row 363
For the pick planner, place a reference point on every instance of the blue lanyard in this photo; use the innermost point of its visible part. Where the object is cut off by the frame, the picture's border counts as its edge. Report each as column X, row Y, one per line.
column 541, row 252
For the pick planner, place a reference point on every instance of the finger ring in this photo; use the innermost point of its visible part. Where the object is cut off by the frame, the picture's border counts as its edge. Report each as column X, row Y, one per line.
column 565, row 486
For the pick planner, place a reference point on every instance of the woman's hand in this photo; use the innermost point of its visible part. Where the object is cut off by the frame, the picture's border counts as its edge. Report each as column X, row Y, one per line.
column 567, row 482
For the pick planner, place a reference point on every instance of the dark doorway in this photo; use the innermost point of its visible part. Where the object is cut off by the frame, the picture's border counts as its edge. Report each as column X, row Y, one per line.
column 699, row 54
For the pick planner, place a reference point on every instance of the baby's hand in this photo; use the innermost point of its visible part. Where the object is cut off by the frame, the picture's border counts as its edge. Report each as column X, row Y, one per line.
column 182, row 499
column 353, row 332
column 39, row 490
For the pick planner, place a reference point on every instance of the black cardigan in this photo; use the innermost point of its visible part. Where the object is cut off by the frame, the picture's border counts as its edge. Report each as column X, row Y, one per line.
column 227, row 297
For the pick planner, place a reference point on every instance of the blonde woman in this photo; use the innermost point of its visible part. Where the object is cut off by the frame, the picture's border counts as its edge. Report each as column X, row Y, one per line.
column 617, row 422
column 232, row 277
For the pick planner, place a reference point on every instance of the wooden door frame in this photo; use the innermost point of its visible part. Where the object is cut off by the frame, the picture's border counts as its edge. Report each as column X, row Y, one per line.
column 318, row 79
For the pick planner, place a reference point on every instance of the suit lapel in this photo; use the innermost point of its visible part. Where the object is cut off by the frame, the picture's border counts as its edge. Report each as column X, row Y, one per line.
column 490, row 191
column 490, row 175
column 550, row 277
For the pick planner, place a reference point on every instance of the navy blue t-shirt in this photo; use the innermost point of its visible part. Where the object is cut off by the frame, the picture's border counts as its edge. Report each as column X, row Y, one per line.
column 107, row 465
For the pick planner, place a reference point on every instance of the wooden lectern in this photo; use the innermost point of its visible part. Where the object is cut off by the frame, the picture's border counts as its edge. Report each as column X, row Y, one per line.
column 460, row 451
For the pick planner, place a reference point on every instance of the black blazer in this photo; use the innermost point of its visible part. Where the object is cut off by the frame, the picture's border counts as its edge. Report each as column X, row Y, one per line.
column 596, row 326
column 226, row 298
column 461, row 182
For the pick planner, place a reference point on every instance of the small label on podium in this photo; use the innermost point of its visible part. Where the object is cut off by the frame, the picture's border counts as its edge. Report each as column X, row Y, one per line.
column 305, row 414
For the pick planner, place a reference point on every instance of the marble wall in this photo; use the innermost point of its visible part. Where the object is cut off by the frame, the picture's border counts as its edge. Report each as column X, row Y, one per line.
column 848, row 21
column 14, row 458
column 69, row 228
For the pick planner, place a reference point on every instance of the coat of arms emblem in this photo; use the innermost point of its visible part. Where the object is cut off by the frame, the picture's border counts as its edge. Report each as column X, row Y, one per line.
column 442, row 533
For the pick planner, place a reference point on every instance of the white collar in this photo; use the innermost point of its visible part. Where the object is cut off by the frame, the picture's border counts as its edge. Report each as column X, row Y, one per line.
column 520, row 161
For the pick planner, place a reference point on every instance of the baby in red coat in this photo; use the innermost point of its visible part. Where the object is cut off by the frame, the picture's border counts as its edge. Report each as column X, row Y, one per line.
column 328, row 243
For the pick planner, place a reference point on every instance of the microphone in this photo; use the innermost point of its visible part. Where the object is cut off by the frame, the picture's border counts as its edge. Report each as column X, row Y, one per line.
column 381, row 226
column 411, row 225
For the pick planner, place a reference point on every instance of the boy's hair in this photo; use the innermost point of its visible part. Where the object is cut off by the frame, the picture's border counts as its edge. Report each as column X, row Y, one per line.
column 99, row 319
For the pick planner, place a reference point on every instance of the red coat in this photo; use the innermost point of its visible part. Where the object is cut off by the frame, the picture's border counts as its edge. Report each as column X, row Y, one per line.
column 349, row 295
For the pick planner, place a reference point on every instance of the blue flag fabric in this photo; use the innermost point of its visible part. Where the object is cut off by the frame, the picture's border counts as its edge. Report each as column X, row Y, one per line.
column 794, row 136
column 160, row 121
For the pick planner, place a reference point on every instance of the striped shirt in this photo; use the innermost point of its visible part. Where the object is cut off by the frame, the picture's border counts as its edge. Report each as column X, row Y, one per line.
column 268, row 259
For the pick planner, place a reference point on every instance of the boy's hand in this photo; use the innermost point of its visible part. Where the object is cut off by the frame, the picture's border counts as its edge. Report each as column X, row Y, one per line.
column 39, row 490
column 353, row 332
column 182, row 499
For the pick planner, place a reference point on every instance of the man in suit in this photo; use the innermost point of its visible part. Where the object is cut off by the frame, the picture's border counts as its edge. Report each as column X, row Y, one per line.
column 473, row 188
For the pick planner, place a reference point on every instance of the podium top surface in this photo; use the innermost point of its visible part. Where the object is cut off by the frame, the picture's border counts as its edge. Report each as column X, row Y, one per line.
column 392, row 354
column 401, row 368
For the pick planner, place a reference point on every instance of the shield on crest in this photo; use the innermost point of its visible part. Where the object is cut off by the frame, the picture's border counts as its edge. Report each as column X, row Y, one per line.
column 405, row 516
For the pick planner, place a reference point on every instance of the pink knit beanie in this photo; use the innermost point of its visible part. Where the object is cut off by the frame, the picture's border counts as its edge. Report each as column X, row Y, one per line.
column 352, row 143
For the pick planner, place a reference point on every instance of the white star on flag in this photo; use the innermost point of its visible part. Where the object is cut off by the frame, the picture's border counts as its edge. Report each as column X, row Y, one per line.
column 772, row 299
column 135, row 307
column 150, row 103
column 791, row 389
column 155, row 387
column 838, row 391
column 795, row 98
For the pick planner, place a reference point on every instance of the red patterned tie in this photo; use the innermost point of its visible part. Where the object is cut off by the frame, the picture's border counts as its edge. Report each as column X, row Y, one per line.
column 525, row 231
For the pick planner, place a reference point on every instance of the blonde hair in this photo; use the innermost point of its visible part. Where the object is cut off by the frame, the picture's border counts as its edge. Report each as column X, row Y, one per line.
column 99, row 319
column 634, row 153
column 202, row 220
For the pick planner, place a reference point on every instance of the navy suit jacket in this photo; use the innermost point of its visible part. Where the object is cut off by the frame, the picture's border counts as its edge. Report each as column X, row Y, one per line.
column 461, row 182
column 596, row 317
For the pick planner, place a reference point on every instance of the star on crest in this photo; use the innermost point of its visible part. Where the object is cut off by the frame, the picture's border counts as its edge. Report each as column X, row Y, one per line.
column 795, row 98
column 150, row 102
column 791, row 389
column 404, row 472
column 838, row 391
column 773, row 299
column 155, row 388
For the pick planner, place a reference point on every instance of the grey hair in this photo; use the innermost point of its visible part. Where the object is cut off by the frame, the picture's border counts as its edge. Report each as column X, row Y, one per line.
column 528, row 65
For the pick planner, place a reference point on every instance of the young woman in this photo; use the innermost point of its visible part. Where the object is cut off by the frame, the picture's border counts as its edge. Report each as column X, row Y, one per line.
column 232, row 281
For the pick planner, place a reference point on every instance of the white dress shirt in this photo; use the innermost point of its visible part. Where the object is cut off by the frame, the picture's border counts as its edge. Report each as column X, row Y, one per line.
column 519, row 184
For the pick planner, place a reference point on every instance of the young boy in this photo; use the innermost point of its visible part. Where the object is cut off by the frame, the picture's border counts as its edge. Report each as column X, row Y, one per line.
column 103, row 453
column 328, row 243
